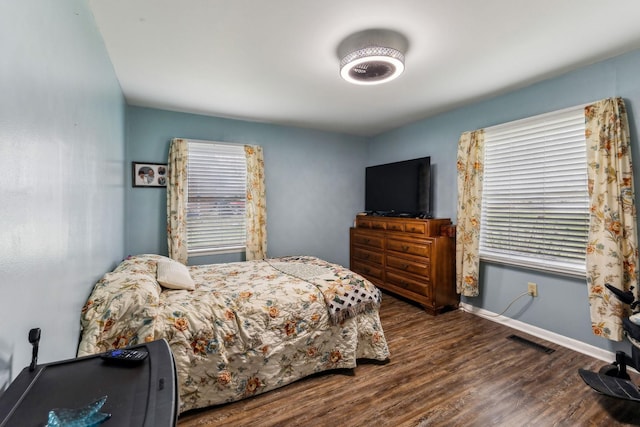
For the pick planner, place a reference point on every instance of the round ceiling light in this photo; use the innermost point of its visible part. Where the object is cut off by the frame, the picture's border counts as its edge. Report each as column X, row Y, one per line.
column 372, row 56
column 372, row 65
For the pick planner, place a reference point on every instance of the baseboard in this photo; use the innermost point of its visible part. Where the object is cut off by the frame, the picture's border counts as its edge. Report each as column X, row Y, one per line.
column 570, row 343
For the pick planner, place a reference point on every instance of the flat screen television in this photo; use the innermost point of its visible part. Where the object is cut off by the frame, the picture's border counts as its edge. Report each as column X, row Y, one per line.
column 399, row 189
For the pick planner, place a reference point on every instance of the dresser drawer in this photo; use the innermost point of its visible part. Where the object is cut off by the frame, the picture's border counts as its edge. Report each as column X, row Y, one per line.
column 416, row 228
column 371, row 223
column 422, row 249
column 363, row 223
column 410, row 284
column 395, row 226
column 368, row 240
column 366, row 269
column 378, row 224
column 410, row 266
column 365, row 255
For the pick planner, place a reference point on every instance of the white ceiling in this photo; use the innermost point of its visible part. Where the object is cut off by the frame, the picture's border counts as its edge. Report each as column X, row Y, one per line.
column 275, row 61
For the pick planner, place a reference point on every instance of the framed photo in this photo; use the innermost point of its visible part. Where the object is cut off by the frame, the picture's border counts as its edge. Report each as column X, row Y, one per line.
column 149, row 174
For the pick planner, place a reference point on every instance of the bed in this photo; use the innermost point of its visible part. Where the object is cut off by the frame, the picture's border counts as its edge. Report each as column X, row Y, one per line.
column 237, row 329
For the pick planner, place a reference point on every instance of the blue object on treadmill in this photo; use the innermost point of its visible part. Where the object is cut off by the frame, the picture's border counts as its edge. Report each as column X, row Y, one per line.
column 87, row 416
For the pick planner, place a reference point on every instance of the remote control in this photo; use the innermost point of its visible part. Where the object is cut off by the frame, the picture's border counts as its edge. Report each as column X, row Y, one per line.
column 124, row 355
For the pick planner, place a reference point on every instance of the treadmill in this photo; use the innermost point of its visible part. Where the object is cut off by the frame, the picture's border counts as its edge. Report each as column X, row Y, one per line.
column 136, row 392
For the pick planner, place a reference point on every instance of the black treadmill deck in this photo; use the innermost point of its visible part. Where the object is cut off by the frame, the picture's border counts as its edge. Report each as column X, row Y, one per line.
column 143, row 394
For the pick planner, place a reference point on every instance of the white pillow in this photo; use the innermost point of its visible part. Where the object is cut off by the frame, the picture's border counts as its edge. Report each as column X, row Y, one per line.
column 174, row 275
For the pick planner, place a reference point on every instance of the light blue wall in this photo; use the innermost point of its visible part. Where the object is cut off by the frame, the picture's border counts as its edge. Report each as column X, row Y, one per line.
column 562, row 306
column 70, row 214
column 61, row 154
column 314, row 181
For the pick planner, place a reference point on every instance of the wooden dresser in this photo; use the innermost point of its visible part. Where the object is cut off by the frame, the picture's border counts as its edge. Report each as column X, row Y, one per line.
column 411, row 257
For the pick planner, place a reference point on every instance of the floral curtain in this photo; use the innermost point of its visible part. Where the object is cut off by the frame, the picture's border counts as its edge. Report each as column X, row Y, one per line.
column 176, row 201
column 256, row 207
column 470, row 165
column 612, row 250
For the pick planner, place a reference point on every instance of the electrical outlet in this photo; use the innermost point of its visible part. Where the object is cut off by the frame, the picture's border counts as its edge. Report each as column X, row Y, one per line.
column 532, row 288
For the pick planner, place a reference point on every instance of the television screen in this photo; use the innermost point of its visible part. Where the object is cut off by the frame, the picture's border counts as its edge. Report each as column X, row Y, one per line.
column 399, row 189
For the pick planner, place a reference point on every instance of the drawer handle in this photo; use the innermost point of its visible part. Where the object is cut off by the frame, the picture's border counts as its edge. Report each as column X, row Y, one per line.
column 405, row 248
column 404, row 266
column 365, row 256
column 366, row 241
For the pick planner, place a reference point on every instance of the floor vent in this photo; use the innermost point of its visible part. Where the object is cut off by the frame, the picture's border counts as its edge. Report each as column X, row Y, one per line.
column 525, row 341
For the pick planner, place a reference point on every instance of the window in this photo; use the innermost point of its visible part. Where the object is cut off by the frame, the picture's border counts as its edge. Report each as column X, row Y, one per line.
column 535, row 203
column 216, row 187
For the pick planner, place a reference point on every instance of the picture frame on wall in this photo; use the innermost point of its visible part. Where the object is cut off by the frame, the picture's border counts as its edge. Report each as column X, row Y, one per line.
column 149, row 174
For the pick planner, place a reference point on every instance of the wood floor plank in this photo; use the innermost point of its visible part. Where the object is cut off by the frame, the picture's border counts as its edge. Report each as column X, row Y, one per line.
column 455, row 369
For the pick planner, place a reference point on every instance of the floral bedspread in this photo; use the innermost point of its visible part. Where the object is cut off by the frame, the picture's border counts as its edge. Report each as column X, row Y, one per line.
column 247, row 328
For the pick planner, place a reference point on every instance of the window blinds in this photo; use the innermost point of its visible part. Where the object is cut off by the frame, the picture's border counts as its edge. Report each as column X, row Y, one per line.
column 216, row 176
column 535, row 204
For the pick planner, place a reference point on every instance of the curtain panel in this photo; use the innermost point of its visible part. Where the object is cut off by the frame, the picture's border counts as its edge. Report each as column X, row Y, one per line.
column 176, row 200
column 470, row 166
column 256, row 206
column 612, row 250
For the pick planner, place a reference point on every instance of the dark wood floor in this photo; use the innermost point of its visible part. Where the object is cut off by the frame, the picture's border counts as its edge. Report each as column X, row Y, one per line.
column 455, row 369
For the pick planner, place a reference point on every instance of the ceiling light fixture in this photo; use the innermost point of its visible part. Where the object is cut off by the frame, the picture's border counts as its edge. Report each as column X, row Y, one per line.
column 372, row 57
